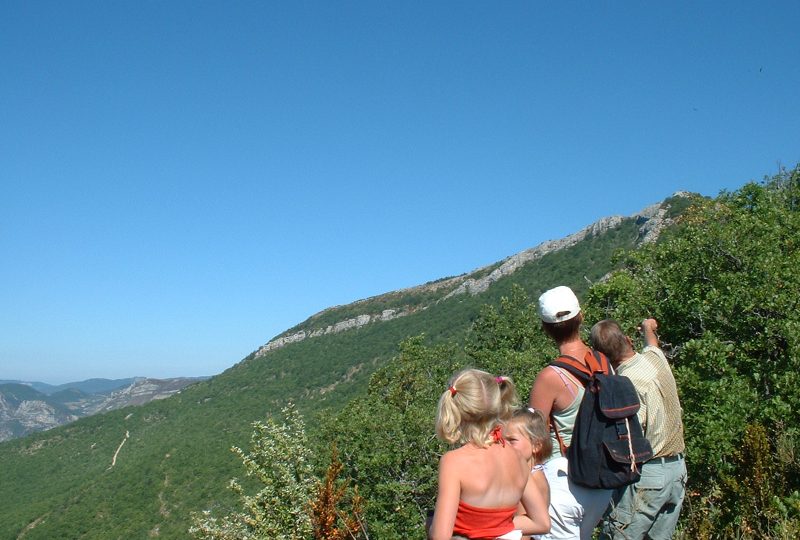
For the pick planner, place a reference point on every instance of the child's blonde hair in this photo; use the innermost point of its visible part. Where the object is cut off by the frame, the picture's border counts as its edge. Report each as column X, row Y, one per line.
column 533, row 424
column 473, row 404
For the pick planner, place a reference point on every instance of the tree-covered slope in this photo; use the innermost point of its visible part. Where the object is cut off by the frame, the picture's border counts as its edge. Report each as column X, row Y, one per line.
column 726, row 290
column 724, row 287
column 141, row 471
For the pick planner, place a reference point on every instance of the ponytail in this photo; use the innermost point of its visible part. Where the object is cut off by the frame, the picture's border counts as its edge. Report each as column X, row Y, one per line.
column 508, row 396
column 474, row 403
column 448, row 417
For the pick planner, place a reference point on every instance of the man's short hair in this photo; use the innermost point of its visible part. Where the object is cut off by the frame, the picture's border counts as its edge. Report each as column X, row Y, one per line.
column 608, row 338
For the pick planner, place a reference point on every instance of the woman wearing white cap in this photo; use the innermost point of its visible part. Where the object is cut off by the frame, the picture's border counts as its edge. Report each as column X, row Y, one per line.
column 574, row 510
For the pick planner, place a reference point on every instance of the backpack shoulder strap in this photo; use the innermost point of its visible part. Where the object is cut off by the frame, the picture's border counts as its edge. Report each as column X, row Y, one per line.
column 593, row 362
column 561, row 445
column 598, row 362
column 574, row 366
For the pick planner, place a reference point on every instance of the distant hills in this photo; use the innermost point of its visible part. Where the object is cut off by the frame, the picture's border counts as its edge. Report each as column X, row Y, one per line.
column 89, row 386
column 28, row 407
column 176, row 459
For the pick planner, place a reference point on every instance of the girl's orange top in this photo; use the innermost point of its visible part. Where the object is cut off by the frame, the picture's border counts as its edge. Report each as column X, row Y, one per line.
column 475, row 522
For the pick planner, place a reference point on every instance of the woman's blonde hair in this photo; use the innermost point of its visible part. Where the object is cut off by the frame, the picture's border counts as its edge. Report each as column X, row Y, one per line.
column 533, row 424
column 474, row 403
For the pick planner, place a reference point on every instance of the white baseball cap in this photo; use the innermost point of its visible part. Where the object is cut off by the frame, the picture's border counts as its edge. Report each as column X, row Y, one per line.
column 558, row 305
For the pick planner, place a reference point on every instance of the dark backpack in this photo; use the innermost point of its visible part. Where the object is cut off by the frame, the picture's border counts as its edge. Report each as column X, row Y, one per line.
column 607, row 445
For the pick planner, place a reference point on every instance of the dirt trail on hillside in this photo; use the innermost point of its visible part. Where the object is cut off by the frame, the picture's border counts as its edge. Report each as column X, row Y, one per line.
column 114, row 459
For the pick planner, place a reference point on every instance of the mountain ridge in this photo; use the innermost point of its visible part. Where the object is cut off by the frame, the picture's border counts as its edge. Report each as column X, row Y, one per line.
column 94, row 385
column 654, row 218
column 25, row 410
column 176, row 456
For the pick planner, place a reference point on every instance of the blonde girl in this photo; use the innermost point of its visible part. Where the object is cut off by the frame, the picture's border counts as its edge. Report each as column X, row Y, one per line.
column 528, row 433
column 482, row 481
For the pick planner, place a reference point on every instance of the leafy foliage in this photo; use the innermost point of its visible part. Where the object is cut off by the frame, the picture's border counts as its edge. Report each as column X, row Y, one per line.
column 508, row 339
column 386, row 438
column 280, row 458
column 723, row 286
column 724, row 289
column 336, row 514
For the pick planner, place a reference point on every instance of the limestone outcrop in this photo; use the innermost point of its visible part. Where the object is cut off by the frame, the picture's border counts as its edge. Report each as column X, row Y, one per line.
column 651, row 221
column 24, row 410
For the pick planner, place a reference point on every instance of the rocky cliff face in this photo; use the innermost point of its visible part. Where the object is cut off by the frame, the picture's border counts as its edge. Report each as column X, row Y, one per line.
column 341, row 326
column 24, row 410
column 140, row 392
column 18, row 418
column 651, row 221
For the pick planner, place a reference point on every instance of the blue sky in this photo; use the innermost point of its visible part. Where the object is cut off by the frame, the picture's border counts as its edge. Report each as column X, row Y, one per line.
column 182, row 181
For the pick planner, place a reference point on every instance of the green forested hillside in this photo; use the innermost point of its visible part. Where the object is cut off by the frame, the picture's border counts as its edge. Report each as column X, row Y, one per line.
column 724, row 285
column 172, row 456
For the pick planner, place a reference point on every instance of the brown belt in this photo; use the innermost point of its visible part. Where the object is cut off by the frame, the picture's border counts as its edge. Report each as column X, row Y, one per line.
column 667, row 459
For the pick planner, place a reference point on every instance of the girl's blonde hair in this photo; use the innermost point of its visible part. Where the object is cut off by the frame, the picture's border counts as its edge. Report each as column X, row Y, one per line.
column 533, row 424
column 474, row 403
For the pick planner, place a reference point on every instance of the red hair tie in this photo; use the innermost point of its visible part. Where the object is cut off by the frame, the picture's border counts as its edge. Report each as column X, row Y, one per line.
column 453, row 391
column 500, row 379
column 497, row 435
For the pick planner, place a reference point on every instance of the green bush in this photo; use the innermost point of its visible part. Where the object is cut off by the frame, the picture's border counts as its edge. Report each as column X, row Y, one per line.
column 280, row 459
column 724, row 288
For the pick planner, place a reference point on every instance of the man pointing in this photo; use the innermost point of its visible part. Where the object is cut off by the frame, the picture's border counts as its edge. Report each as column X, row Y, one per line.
column 650, row 507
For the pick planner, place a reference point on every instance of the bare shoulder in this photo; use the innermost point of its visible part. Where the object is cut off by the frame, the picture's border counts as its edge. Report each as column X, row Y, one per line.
column 451, row 458
column 544, row 390
column 540, row 481
column 546, row 377
column 459, row 458
column 451, row 465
